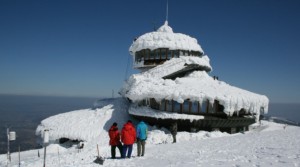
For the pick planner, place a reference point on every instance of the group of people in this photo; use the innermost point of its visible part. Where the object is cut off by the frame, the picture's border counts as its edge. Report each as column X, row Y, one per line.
column 128, row 136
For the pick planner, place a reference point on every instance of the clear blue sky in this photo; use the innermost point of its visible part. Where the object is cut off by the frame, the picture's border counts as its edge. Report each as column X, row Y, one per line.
column 80, row 48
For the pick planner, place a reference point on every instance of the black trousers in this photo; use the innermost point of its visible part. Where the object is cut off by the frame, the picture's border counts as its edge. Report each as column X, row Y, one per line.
column 174, row 137
column 113, row 150
column 141, row 147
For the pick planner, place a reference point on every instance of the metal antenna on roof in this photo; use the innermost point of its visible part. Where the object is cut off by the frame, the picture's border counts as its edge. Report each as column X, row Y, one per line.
column 167, row 10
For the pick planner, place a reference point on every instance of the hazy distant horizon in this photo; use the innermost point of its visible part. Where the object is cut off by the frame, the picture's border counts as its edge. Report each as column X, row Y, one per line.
column 23, row 113
column 101, row 97
column 46, row 95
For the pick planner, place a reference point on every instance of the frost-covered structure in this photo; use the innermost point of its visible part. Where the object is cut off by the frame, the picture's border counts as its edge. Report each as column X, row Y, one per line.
column 174, row 85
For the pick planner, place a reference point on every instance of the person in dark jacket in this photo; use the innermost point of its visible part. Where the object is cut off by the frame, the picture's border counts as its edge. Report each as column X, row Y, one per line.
column 173, row 130
column 114, row 140
column 128, row 137
column 141, row 134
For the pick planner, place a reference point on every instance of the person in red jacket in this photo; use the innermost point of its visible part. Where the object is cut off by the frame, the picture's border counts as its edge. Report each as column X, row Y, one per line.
column 114, row 140
column 128, row 137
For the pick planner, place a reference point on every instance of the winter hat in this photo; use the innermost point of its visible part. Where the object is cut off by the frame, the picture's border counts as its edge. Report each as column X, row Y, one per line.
column 115, row 124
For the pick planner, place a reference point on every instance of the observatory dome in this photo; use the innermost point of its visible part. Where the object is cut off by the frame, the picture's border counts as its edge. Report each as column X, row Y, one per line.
column 164, row 37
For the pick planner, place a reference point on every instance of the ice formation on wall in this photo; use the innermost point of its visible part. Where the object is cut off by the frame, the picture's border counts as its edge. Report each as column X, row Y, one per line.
column 197, row 86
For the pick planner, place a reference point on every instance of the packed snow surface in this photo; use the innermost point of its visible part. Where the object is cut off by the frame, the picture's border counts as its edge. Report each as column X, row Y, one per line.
column 164, row 37
column 268, row 144
column 196, row 86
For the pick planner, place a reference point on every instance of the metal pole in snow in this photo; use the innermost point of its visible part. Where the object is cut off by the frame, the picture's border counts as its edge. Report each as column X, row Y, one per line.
column 44, row 155
column 8, row 153
column 46, row 141
column 19, row 157
column 98, row 151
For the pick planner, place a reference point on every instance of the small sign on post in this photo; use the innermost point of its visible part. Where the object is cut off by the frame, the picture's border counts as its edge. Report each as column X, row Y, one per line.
column 46, row 136
column 11, row 136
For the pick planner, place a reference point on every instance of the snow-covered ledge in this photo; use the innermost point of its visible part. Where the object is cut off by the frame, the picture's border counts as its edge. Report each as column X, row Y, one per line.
column 198, row 86
column 149, row 112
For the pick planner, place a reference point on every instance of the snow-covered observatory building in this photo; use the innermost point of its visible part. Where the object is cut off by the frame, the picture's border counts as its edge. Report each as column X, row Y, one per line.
column 174, row 86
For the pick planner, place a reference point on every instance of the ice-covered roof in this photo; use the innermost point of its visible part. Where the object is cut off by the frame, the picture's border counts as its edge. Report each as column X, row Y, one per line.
column 164, row 37
column 197, row 86
column 85, row 124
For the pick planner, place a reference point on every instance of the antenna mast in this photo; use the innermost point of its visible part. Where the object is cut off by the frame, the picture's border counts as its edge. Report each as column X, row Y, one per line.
column 167, row 10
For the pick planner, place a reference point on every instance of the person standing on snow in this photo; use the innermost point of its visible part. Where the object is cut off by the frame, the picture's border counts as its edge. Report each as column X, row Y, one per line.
column 128, row 137
column 114, row 140
column 141, row 137
column 173, row 130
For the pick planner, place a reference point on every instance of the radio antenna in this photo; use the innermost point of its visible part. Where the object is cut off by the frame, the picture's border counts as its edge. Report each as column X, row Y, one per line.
column 167, row 10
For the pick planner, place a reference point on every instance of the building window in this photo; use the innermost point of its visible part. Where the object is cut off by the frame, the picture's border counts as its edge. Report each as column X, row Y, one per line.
column 154, row 104
column 181, row 53
column 204, row 106
column 163, row 54
column 169, row 54
column 176, row 107
column 157, row 54
column 194, row 108
column 146, row 54
column 138, row 57
column 162, row 105
column 169, row 105
column 147, row 102
column 152, row 54
column 176, row 53
column 186, row 106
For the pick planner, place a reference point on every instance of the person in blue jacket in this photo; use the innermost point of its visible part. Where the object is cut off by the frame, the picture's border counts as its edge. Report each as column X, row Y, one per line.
column 141, row 135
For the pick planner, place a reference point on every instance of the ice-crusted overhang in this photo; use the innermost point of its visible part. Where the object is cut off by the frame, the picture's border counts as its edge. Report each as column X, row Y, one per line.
column 195, row 86
column 177, row 64
column 164, row 37
column 148, row 112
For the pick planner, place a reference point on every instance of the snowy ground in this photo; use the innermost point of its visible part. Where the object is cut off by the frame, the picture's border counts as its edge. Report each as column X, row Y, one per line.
column 266, row 145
